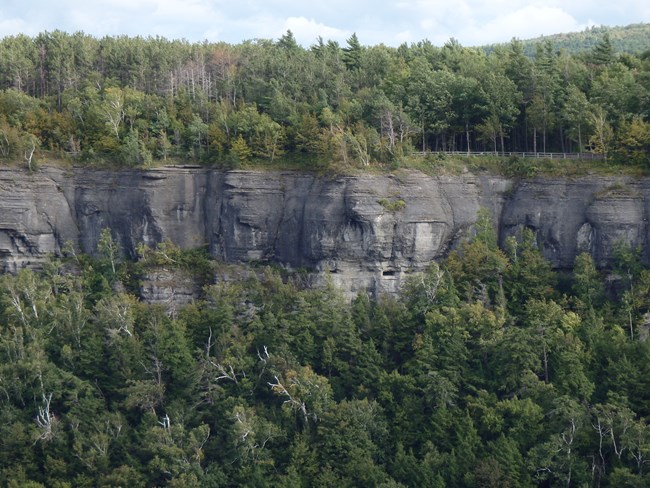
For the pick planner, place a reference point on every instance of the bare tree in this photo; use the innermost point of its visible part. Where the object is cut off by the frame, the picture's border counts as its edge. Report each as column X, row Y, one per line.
column 45, row 420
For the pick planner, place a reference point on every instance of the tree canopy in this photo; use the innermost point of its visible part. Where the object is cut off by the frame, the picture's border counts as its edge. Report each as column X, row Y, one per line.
column 130, row 101
column 488, row 369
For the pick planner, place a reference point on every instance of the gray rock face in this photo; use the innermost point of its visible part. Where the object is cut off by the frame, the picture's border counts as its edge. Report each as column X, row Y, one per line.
column 171, row 289
column 573, row 216
column 365, row 233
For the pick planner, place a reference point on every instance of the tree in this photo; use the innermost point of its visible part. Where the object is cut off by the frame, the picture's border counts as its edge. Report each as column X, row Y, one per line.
column 633, row 142
column 601, row 141
column 477, row 268
column 18, row 57
column 502, row 100
column 392, row 124
column 108, row 250
column 542, row 109
column 111, row 109
column 133, row 150
column 304, row 392
column 468, row 105
column 617, row 92
column 576, row 115
column 352, row 53
column 603, row 53
column 429, row 99
column 351, row 436
column 198, row 133
column 529, row 275
column 268, row 139
column 587, row 284
column 519, row 68
column 539, row 118
column 558, row 459
column 240, row 150
column 9, row 139
column 489, row 130
column 636, row 440
column 288, row 41
column 176, row 451
column 30, row 144
column 544, row 319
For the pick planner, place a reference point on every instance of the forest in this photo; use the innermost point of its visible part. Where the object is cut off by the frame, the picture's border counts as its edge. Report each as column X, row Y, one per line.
column 632, row 39
column 488, row 370
column 132, row 101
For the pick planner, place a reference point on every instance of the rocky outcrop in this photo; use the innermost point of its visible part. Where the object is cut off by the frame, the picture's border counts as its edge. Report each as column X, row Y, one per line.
column 170, row 288
column 585, row 215
column 363, row 232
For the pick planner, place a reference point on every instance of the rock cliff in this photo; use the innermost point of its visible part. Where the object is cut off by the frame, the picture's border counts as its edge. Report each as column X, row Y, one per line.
column 362, row 232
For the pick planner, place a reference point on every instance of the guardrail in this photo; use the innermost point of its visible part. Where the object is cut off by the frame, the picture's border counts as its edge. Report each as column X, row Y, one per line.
column 520, row 154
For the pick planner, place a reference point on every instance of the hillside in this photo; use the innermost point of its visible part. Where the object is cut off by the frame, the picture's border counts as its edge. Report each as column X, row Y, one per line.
column 631, row 39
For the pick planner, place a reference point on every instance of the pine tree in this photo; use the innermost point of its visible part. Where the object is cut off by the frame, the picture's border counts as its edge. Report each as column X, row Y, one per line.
column 352, row 53
column 603, row 53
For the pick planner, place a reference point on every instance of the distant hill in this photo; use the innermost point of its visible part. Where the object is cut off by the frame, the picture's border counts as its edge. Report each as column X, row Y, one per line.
column 633, row 39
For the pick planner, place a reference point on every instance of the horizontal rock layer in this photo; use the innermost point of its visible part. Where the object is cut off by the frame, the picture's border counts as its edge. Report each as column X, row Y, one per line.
column 365, row 233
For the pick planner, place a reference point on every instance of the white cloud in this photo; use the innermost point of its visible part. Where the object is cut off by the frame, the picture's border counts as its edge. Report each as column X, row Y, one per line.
column 306, row 31
column 261, row 26
column 169, row 18
column 529, row 21
column 198, row 11
column 212, row 34
column 475, row 22
column 13, row 26
column 375, row 21
column 404, row 36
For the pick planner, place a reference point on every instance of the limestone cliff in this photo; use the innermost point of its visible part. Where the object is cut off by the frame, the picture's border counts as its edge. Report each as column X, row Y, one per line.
column 365, row 232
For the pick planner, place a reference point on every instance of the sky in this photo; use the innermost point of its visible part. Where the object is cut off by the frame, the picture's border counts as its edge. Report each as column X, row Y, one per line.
column 471, row 22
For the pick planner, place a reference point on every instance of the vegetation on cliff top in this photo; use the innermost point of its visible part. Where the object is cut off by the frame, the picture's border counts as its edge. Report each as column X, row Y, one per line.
column 134, row 102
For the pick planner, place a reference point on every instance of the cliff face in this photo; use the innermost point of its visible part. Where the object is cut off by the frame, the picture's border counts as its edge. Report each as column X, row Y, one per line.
column 365, row 233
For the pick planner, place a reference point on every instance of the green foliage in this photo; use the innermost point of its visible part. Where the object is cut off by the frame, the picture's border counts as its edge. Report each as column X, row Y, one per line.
column 478, row 267
column 529, row 275
column 352, row 53
column 515, row 166
column 392, row 205
column 124, row 101
column 240, row 150
column 108, row 250
column 602, row 53
column 486, row 370
column 479, row 374
column 632, row 38
column 587, row 283
column 634, row 142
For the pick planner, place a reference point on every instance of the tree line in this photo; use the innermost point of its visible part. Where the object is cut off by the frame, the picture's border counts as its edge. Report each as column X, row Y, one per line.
column 488, row 370
column 632, row 39
column 129, row 101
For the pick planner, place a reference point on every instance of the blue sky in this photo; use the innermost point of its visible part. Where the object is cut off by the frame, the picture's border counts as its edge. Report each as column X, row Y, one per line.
column 471, row 22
